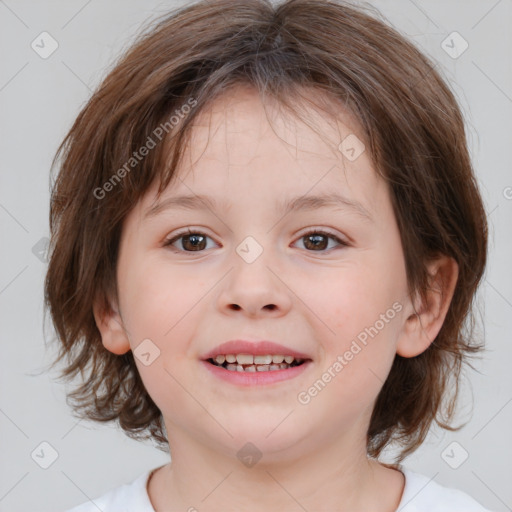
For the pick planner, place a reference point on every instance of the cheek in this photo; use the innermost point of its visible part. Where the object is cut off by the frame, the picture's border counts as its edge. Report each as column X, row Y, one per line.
column 358, row 356
column 360, row 309
column 354, row 298
column 160, row 305
column 158, row 298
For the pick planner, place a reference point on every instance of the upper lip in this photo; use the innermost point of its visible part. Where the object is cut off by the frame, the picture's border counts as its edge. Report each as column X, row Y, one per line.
column 257, row 348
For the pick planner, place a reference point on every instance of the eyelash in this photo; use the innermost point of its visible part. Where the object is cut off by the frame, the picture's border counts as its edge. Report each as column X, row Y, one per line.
column 170, row 241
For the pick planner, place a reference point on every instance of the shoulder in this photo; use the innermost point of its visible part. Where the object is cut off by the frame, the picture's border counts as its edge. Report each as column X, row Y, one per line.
column 131, row 497
column 423, row 494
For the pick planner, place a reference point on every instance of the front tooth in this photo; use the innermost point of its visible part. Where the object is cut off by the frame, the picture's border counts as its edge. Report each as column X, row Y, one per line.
column 251, row 368
column 239, row 368
column 262, row 359
column 231, row 367
column 262, row 368
column 220, row 359
column 245, row 359
column 288, row 359
column 277, row 359
column 274, row 367
column 230, row 358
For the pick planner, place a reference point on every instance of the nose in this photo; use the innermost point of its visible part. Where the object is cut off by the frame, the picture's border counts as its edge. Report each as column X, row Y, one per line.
column 255, row 289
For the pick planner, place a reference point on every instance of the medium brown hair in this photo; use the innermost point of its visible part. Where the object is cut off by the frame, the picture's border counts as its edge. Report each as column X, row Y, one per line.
column 413, row 130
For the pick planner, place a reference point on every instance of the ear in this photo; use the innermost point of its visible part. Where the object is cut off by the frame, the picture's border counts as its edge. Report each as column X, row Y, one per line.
column 110, row 324
column 423, row 325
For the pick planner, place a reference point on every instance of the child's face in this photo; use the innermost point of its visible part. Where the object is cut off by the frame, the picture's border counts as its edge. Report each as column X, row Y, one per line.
column 315, row 299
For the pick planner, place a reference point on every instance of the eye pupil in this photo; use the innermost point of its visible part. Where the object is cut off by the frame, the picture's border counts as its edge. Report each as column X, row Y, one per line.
column 195, row 238
column 317, row 241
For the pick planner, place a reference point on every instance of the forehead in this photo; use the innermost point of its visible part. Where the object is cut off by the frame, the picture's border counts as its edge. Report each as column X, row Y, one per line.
column 240, row 138
column 234, row 124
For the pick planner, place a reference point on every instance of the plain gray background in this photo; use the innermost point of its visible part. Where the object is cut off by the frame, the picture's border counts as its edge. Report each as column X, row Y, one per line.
column 39, row 99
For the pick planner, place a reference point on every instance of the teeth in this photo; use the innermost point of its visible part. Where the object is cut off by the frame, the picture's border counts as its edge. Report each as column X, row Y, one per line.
column 245, row 359
column 259, row 363
column 265, row 360
column 250, row 359
column 257, row 368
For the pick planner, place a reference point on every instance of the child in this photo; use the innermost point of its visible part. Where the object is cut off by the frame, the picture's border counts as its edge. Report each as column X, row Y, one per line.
column 266, row 237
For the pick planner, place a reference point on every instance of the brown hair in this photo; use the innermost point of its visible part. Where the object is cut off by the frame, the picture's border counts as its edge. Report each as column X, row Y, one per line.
column 413, row 130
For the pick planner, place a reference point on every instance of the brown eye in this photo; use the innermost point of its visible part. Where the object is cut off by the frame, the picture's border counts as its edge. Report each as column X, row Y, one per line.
column 318, row 241
column 190, row 241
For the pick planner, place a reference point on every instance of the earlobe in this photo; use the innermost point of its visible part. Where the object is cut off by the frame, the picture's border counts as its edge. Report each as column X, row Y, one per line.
column 110, row 324
column 423, row 324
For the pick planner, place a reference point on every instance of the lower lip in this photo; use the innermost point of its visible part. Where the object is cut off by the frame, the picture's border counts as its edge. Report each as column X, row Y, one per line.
column 256, row 378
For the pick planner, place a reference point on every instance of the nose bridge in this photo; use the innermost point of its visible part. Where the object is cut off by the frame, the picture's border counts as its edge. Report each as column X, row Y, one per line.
column 253, row 286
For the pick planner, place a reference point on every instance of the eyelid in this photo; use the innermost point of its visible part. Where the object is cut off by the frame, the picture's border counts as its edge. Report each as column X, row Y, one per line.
column 323, row 231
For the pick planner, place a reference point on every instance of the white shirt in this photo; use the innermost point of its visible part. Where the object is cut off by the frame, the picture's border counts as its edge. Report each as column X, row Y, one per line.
column 420, row 494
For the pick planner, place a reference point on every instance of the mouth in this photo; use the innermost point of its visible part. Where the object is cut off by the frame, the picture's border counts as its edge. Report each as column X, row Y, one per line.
column 255, row 363
column 248, row 363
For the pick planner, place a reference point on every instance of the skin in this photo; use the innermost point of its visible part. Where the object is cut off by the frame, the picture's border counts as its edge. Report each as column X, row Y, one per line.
column 186, row 303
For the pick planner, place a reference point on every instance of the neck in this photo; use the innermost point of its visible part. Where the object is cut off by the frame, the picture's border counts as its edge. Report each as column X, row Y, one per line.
column 340, row 477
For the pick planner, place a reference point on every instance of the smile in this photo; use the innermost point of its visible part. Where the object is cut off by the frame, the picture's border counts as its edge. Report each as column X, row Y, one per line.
column 255, row 370
column 250, row 363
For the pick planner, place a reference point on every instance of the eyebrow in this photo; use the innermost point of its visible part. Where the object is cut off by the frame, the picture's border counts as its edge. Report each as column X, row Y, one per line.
column 294, row 204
